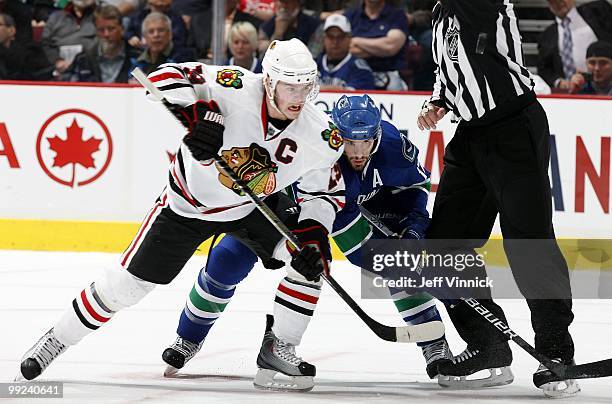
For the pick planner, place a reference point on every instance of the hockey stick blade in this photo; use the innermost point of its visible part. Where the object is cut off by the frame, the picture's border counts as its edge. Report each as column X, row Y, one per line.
column 407, row 333
column 420, row 332
column 590, row 370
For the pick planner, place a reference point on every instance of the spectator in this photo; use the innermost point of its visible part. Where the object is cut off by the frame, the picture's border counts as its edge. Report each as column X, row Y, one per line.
column 563, row 45
column 419, row 72
column 179, row 31
column 67, row 33
column 20, row 61
column 21, row 15
column 379, row 35
column 157, row 33
column 325, row 8
column 338, row 69
column 188, row 8
column 201, row 27
column 125, row 7
column 242, row 40
column 599, row 65
column 110, row 61
column 289, row 22
column 261, row 9
column 41, row 10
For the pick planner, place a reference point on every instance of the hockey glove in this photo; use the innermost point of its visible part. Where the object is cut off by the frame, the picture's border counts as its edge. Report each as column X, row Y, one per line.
column 313, row 259
column 205, row 124
column 413, row 226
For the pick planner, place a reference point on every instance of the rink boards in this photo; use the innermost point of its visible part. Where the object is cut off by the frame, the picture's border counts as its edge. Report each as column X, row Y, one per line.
column 81, row 167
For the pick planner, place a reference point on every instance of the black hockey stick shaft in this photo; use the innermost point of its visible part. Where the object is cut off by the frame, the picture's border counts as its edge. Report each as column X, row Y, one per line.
column 393, row 334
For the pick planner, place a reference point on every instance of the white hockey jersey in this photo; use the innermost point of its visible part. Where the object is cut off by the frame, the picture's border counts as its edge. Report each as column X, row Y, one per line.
column 268, row 160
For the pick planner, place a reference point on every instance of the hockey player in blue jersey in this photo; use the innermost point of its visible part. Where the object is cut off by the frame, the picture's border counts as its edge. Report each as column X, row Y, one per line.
column 381, row 172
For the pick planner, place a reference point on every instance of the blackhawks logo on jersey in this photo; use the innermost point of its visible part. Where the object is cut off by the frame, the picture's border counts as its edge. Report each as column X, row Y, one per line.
column 230, row 78
column 253, row 165
column 332, row 137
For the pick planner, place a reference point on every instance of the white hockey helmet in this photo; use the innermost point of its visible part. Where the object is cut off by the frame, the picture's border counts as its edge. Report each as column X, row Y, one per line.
column 290, row 62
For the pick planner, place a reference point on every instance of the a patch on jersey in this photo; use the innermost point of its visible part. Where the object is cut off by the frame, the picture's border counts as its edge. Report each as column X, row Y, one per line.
column 408, row 149
column 451, row 40
column 195, row 76
column 332, row 137
column 230, row 78
column 253, row 165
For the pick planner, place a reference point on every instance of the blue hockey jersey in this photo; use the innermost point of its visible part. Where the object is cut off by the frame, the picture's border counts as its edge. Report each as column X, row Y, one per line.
column 393, row 186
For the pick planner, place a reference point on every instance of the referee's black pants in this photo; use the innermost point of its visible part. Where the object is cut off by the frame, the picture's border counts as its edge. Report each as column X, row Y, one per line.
column 502, row 168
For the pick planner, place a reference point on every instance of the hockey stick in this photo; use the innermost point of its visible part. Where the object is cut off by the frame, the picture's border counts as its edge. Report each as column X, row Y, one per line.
column 559, row 371
column 410, row 333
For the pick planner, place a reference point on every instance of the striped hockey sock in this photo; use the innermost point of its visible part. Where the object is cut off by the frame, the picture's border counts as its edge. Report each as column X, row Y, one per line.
column 417, row 309
column 206, row 302
column 87, row 314
column 294, row 306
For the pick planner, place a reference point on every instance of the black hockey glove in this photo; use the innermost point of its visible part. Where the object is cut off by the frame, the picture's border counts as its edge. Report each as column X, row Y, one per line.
column 313, row 259
column 205, row 124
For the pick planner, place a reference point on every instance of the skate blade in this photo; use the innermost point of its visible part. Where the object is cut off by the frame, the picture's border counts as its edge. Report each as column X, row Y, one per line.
column 561, row 389
column 264, row 380
column 497, row 377
column 170, row 371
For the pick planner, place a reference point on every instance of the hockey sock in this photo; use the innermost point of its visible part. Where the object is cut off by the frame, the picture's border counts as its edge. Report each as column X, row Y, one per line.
column 417, row 309
column 87, row 314
column 228, row 264
column 294, row 306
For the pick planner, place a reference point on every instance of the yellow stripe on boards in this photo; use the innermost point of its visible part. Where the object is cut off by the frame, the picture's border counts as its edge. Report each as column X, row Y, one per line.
column 114, row 237
column 82, row 236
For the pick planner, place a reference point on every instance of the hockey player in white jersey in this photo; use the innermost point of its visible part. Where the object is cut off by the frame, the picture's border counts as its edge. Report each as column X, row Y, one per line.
column 269, row 132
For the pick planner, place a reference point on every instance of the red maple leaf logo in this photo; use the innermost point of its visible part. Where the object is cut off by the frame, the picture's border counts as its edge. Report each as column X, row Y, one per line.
column 74, row 150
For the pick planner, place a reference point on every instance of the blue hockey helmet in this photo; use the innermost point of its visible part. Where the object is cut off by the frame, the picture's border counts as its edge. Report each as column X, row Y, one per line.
column 357, row 117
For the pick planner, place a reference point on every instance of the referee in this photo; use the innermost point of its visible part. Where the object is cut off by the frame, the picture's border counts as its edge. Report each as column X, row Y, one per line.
column 497, row 163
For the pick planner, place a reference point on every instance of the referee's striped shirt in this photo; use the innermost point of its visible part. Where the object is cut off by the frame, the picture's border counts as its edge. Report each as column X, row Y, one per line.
column 477, row 49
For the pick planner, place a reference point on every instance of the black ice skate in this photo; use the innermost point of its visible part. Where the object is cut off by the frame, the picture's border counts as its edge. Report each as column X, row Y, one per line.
column 436, row 354
column 178, row 354
column 553, row 388
column 495, row 359
column 278, row 356
column 38, row 358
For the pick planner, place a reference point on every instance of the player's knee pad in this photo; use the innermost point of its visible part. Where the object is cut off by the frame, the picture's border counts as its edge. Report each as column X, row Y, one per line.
column 230, row 262
column 119, row 289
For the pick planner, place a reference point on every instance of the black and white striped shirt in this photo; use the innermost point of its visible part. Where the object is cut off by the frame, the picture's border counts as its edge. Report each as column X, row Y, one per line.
column 477, row 49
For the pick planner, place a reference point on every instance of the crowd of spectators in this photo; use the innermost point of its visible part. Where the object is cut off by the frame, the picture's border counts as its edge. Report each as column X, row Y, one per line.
column 358, row 44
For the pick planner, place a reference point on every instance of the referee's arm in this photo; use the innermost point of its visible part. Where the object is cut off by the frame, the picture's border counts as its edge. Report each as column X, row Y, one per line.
column 435, row 109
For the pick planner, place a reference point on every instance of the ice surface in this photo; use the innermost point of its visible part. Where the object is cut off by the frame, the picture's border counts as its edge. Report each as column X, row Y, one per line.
column 121, row 362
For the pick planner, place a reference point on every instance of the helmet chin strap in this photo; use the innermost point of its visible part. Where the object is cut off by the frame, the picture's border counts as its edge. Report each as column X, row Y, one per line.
column 270, row 96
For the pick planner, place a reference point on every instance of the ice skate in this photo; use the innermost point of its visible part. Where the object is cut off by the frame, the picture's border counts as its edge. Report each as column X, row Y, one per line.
column 178, row 354
column 551, row 386
column 38, row 358
column 463, row 371
column 436, row 354
column 277, row 356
